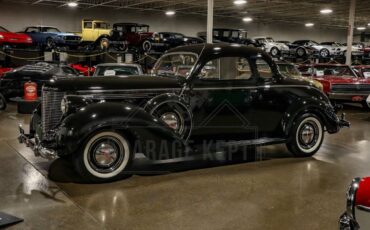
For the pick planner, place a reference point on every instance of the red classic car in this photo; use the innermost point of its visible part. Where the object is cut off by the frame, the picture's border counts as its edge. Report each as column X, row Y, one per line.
column 339, row 81
column 83, row 69
column 4, row 70
column 13, row 39
column 362, row 70
column 357, row 214
column 136, row 35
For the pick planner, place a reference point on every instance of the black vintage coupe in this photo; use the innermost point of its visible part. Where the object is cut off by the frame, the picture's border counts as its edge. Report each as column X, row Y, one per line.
column 200, row 99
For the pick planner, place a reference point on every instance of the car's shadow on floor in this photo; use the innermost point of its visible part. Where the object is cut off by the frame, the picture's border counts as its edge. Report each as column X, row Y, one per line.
column 61, row 170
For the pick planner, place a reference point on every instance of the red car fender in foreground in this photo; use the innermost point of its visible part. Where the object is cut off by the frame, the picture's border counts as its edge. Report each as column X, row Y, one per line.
column 83, row 69
column 4, row 70
column 363, row 193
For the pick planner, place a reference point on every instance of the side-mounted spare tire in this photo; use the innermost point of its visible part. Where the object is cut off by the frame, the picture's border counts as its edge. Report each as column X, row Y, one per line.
column 171, row 110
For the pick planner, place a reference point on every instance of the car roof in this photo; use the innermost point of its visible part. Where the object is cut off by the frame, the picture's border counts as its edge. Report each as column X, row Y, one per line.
column 129, row 24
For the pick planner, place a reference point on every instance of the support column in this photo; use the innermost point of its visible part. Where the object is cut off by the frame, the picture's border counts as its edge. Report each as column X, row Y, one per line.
column 210, row 21
column 351, row 24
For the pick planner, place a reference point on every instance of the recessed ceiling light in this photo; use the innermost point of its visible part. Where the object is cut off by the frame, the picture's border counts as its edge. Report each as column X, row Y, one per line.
column 170, row 12
column 240, row 2
column 309, row 24
column 72, row 4
column 368, row 24
column 247, row 19
column 326, row 11
column 361, row 28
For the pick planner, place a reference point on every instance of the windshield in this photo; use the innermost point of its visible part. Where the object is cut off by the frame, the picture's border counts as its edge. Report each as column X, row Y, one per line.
column 116, row 71
column 269, row 39
column 313, row 43
column 175, row 65
column 338, row 71
column 50, row 30
column 289, row 70
column 2, row 29
column 142, row 29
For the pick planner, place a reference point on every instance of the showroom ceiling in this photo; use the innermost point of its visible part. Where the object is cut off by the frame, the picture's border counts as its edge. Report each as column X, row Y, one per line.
column 260, row 10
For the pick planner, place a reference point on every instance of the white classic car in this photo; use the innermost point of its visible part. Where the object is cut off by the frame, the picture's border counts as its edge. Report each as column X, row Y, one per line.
column 268, row 44
column 338, row 49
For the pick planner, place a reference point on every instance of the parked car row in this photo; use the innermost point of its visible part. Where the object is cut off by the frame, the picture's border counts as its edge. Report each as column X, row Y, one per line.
column 97, row 34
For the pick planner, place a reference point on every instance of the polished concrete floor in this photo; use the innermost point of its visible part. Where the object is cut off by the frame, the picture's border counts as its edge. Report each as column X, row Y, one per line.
column 275, row 192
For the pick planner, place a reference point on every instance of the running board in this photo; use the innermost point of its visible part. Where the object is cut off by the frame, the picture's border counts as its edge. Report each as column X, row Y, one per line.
column 256, row 142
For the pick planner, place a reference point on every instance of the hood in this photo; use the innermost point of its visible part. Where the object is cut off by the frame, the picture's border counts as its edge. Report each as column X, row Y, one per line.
column 338, row 80
column 113, row 83
column 19, row 36
column 65, row 34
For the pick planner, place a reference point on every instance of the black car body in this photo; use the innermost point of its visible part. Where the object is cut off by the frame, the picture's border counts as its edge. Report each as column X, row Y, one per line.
column 202, row 98
column 303, row 48
column 11, row 85
column 163, row 41
column 224, row 35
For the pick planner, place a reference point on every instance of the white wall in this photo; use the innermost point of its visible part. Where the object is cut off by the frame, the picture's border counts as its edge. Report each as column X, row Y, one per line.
column 17, row 16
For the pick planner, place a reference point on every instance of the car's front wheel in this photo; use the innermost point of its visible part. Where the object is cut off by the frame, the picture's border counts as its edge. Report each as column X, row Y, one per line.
column 307, row 136
column 104, row 157
column 274, row 52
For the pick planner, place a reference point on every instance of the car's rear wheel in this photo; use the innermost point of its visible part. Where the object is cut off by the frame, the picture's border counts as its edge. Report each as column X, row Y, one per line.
column 324, row 53
column 307, row 136
column 2, row 102
column 105, row 156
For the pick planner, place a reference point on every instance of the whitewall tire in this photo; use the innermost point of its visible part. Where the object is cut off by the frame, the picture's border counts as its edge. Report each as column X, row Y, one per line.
column 307, row 136
column 104, row 157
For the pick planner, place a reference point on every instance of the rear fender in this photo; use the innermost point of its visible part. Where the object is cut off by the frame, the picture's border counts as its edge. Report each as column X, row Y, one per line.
column 150, row 135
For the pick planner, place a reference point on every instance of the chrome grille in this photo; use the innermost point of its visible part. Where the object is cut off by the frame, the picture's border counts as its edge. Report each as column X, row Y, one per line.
column 51, row 112
column 351, row 87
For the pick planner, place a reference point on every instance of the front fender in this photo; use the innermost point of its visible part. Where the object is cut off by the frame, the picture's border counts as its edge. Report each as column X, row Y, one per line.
column 320, row 108
column 147, row 134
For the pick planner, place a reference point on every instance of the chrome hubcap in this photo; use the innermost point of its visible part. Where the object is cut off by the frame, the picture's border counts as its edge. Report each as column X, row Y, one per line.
column 171, row 120
column 106, row 154
column 307, row 134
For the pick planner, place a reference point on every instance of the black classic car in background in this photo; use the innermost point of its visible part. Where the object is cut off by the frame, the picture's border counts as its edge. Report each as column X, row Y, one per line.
column 200, row 99
column 163, row 41
column 229, row 36
column 11, row 84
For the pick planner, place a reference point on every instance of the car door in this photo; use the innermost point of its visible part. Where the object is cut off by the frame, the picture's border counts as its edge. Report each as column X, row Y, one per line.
column 272, row 100
column 221, row 98
column 87, row 32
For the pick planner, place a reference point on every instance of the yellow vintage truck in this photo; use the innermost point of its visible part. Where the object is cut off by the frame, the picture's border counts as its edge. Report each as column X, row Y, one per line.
column 97, row 33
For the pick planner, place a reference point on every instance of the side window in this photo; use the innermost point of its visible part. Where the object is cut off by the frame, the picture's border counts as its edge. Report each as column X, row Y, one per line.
column 264, row 69
column 227, row 68
column 88, row 25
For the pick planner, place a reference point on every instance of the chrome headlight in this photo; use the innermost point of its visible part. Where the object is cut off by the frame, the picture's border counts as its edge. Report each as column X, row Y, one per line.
column 64, row 106
column 351, row 197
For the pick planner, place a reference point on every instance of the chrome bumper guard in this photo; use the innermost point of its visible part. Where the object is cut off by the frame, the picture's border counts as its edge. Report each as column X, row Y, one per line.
column 35, row 145
column 342, row 121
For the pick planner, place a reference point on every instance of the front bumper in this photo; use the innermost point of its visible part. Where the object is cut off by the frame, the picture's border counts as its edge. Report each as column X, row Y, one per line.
column 349, row 96
column 33, row 142
column 346, row 222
